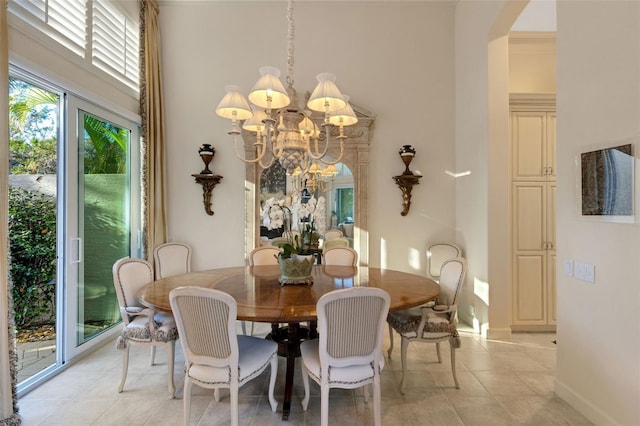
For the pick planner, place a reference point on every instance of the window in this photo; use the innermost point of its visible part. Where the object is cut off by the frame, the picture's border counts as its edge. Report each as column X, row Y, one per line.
column 100, row 33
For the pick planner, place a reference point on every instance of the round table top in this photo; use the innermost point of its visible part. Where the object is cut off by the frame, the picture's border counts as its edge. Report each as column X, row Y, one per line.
column 261, row 298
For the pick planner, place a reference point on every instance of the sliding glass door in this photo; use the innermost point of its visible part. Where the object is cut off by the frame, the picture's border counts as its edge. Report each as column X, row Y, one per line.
column 102, row 217
column 34, row 135
column 74, row 210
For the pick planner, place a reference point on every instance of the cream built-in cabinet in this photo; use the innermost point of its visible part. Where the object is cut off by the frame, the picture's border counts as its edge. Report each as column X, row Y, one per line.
column 533, row 148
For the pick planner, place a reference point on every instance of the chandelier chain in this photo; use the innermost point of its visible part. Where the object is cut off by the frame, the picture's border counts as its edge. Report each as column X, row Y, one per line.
column 291, row 33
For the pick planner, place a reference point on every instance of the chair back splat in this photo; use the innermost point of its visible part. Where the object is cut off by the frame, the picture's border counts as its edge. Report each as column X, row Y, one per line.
column 332, row 233
column 340, row 256
column 264, row 255
column 172, row 259
column 436, row 255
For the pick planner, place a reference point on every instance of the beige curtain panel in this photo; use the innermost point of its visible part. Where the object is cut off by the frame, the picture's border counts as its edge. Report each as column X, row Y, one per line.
column 153, row 134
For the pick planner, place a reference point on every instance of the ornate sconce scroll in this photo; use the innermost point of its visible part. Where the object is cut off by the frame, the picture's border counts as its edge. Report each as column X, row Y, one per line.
column 407, row 179
column 206, row 178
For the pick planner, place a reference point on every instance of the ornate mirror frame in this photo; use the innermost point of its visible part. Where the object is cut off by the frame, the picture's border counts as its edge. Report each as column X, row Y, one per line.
column 355, row 156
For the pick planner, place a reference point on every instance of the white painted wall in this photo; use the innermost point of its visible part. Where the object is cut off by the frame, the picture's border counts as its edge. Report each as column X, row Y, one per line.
column 532, row 63
column 395, row 60
column 473, row 211
column 598, row 103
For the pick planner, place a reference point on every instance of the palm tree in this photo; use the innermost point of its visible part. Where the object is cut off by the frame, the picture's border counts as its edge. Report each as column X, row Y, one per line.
column 30, row 106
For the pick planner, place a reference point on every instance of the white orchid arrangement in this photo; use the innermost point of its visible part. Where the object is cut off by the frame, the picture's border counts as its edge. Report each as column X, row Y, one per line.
column 290, row 211
column 273, row 213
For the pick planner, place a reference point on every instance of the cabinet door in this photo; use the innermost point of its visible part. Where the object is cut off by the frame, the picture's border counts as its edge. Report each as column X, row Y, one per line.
column 529, row 296
column 551, row 253
column 550, row 146
column 528, row 145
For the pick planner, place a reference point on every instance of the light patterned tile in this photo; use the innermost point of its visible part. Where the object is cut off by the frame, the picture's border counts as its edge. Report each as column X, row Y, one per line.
column 481, row 411
column 501, row 382
column 541, row 411
column 34, row 411
column 434, row 410
column 219, row 413
column 504, row 383
column 129, row 411
column 79, row 413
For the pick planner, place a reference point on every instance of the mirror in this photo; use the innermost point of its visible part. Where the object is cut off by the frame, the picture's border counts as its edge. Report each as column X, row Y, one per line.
column 355, row 158
column 331, row 205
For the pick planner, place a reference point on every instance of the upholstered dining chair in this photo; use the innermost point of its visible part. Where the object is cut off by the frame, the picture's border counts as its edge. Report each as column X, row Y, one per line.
column 348, row 352
column 332, row 233
column 436, row 255
column 264, row 255
column 335, row 242
column 432, row 324
column 215, row 356
column 279, row 241
column 261, row 256
column 172, row 259
column 142, row 326
column 340, row 256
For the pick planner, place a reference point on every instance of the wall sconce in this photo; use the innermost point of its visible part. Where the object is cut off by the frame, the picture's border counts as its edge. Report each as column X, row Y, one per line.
column 407, row 179
column 206, row 178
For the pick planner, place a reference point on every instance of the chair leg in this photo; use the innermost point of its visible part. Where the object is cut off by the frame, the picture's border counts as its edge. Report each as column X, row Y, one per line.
column 251, row 328
column 272, row 382
column 365, row 388
column 153, row 354
column 244, row 327
column 216, row 394
column 186, row 400
column 438, row 352
column 453, row 363
column 233, row 390
column 171, row 348
column 305, row 382
column 324, row 405
column 125, row 367
column 390, row 341
column 377, row 401
column 403, row 355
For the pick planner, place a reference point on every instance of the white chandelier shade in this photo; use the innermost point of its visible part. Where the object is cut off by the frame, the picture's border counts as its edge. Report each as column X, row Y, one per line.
column 269, row 92
column 326, row 97
column 234, row 106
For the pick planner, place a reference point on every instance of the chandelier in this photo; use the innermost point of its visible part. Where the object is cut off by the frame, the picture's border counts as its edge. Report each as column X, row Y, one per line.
column 283, row 130
column 316, row 177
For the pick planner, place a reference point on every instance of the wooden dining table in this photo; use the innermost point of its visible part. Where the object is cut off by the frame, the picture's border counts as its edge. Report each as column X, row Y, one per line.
column 261, row 298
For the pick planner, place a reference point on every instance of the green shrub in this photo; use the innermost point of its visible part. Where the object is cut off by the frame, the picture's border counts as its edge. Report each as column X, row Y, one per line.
column 32, row 247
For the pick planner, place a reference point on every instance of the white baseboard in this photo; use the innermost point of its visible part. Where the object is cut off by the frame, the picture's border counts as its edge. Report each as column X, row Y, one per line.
column 590, row 411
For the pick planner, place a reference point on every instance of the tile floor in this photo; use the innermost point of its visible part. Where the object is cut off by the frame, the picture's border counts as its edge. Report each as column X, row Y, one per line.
column 501, row 383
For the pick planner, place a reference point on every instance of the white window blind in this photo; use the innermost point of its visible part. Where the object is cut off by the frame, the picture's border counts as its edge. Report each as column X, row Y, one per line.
column 115, row 43
column 96, row 31
column 62, row 20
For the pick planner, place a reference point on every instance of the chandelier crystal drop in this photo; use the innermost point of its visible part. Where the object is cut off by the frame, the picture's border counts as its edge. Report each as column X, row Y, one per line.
column 283, row 130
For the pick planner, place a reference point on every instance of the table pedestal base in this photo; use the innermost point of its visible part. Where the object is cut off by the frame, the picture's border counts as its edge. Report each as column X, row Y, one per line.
column 288, row 340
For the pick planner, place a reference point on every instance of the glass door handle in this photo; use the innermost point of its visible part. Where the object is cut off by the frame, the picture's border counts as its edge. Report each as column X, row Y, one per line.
column 78, row 245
